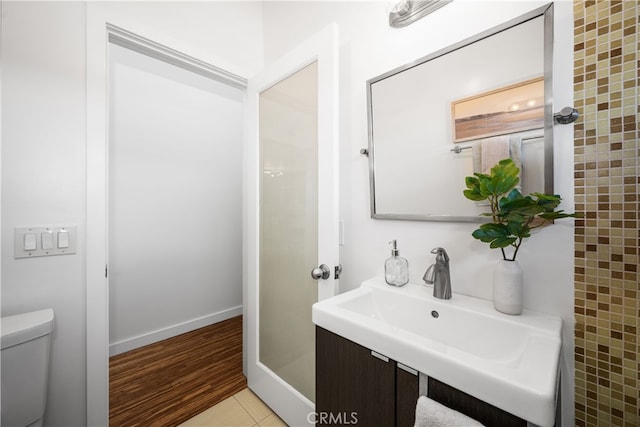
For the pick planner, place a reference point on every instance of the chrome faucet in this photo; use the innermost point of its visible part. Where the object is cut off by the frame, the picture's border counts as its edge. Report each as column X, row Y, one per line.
column 438, row 275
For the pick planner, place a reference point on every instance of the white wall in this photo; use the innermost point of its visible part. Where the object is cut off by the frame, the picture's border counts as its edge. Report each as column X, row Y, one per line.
column 175, row 208
column 369, row 47
column 43, row 181
column 44, row 147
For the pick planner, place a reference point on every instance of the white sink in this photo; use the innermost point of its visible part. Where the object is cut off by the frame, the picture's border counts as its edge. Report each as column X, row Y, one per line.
column 508, row 361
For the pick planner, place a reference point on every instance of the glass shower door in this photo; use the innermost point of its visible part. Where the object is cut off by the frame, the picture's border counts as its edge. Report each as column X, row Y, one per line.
column 292, row 220
column 288, row 122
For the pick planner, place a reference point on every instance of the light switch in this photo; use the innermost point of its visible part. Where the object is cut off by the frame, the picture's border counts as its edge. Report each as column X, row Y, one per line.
column 46, row 239
column 63, row 239
column 30, row 243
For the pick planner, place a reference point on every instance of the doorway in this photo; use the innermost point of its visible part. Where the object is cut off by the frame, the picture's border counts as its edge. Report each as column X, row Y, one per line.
column 103, row 36
column 174, row 200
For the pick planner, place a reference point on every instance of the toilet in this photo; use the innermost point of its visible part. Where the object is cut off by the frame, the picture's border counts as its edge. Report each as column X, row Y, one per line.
column 25, row 367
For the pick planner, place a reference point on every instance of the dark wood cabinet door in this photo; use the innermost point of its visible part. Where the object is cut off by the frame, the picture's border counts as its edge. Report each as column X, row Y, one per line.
column 407, row 393
column 472, row 407
column 353, row 387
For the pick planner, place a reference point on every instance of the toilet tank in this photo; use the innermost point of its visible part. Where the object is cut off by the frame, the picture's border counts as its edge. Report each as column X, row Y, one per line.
column 24, row 362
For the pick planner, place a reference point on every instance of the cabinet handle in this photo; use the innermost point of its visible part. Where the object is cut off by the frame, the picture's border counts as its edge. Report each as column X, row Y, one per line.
column 407, row 369
column 379, row 356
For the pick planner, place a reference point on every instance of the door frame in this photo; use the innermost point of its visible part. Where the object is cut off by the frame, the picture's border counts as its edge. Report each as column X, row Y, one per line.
column 321, row 47
column 103, row 27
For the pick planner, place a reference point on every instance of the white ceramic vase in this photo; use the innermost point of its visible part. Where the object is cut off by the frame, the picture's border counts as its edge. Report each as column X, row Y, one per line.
column 507, row 287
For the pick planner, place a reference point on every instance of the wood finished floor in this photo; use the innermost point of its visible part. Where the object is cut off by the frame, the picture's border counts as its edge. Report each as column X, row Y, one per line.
column 169, row 382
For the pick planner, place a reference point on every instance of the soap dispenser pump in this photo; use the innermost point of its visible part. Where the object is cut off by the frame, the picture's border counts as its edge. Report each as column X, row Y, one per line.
column 396, row 268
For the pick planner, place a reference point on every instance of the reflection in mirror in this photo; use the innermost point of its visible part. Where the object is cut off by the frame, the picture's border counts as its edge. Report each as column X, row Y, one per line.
column 459, row 111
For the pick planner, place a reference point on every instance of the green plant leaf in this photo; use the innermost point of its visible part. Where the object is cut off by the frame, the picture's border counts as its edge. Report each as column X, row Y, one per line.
column 504, row 176
column 515, row 226
column 497, row 235
column 505, row 202
column 502, row 242
column 514, row 194
column 487, row 187
column 472, row 182
column 524, row 206
column 515, row 217
column 473, row 192
column 547, row 201
column 506, row 184
column 490, row 231
column 556, row 215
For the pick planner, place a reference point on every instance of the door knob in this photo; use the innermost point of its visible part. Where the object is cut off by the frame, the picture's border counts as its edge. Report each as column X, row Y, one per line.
column 322, row 272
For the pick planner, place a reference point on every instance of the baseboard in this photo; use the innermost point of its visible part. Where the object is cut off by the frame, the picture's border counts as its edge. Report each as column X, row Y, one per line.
column 172, row 331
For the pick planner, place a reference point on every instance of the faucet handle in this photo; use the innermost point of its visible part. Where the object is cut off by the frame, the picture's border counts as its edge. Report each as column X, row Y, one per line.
column 441, row 254
column 429, row 275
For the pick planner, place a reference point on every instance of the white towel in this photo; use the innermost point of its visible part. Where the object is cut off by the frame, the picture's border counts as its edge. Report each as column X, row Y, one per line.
column 476, row 154
column 430, row 413
column 493, row 150
column 515, row 152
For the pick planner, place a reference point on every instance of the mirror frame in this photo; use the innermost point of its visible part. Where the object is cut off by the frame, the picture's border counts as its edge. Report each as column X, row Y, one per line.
column 547, row 12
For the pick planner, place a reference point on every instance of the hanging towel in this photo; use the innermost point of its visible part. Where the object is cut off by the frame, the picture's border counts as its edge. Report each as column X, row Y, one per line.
column 493, row 150
column 430, row 413
column 515, row 152
column 476, row 154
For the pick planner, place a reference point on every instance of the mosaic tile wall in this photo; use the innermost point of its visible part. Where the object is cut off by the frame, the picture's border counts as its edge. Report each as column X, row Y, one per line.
column 607, row 306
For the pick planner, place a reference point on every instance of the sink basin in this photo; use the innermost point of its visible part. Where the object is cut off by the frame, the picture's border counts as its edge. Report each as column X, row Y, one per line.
column 510, row 362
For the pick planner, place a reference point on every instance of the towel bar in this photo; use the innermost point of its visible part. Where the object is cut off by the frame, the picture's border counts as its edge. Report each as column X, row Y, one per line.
column 457, row 150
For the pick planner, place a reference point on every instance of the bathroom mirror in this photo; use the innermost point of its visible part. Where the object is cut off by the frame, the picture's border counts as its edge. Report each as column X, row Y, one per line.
column 450, row 114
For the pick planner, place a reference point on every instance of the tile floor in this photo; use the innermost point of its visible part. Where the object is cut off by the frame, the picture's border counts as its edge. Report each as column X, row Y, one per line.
column 243, row 409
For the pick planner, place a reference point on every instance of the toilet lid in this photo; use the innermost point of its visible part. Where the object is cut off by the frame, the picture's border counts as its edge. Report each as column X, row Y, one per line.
column 25, row 327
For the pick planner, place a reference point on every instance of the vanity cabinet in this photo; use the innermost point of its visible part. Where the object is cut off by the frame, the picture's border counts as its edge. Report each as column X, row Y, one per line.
column 357, row 386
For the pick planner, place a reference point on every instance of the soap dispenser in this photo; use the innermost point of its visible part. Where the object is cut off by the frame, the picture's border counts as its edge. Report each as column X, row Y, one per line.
column 396, row 268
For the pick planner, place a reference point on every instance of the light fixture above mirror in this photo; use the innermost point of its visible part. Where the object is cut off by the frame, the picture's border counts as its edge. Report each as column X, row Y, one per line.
column 406, row 12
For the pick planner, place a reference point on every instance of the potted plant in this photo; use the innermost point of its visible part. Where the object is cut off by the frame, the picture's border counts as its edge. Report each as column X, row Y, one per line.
column 513, row 217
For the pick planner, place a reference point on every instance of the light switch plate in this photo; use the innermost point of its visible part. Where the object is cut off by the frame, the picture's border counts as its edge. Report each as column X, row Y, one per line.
column 42, row 243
